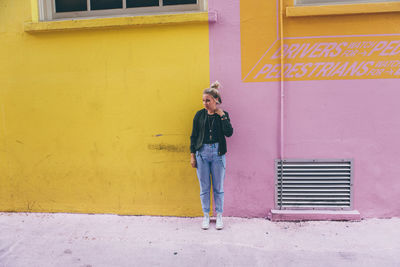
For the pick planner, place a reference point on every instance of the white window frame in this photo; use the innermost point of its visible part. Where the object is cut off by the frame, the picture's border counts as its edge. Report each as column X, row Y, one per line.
column 337, row 2
column 47, row 10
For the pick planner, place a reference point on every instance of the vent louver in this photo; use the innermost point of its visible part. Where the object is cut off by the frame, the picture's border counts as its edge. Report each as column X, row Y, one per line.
column 313, row 184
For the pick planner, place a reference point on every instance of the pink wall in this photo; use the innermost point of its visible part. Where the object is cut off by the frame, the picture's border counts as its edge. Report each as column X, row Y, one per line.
column 323, row 119
column 249, row 184
column 351, row 119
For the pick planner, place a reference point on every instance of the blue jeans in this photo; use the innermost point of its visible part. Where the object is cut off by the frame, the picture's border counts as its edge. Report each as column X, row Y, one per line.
column 209, row 162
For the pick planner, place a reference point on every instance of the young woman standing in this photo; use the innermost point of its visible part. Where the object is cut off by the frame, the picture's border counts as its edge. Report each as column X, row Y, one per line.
column 208, row 147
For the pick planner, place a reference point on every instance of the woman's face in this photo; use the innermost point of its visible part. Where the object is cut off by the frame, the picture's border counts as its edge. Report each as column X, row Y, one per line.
column 209, row 102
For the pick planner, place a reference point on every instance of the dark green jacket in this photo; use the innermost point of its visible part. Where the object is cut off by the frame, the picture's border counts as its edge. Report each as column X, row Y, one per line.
column 224, row 128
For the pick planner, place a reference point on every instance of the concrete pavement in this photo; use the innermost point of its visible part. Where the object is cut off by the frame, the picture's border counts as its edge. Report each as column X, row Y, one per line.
column 58, row 239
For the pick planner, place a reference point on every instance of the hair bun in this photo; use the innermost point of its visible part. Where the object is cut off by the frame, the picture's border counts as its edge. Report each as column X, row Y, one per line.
column 216, row 85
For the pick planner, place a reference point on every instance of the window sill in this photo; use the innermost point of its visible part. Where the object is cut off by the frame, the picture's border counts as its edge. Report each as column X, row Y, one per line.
column 118, row 22
column 346, row 9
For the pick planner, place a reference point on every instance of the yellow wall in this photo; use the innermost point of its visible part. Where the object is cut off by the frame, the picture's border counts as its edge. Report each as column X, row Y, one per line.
column 98, row 121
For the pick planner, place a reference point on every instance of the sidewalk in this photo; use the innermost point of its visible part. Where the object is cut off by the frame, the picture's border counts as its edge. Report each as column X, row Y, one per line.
column 58, row 239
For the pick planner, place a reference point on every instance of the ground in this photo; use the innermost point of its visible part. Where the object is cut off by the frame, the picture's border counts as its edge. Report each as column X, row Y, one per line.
column 59, row 239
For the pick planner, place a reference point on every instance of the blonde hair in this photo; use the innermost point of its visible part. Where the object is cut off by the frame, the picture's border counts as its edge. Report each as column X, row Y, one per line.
column 214, row 92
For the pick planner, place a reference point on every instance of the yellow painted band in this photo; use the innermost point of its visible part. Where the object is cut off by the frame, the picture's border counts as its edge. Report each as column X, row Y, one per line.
column 323, row 10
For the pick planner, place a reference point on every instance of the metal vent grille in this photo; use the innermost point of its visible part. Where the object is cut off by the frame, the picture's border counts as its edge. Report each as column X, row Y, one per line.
column 313, row 184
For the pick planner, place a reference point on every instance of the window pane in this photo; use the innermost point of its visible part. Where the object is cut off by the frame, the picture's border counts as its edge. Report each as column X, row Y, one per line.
column 71, row 5
column 105, row 4
column 141, row 3
column 178, row 2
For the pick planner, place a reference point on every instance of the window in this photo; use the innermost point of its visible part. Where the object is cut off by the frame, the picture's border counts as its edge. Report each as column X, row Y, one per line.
column 338, row 2
column 59, row 9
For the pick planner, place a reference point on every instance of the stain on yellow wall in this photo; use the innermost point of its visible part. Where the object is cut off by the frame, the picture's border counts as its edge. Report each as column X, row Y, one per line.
column 98, row 121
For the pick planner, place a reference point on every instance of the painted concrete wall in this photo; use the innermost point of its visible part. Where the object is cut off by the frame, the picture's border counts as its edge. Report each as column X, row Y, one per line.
column 253, row 108
column 338, row 116
column 98, row 121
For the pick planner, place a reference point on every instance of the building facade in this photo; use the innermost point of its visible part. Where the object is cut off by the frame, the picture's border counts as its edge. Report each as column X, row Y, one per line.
column 97, row 104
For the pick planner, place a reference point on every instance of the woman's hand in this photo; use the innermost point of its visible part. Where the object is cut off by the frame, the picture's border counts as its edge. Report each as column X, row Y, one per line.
column 220, row 112
column 193, row 160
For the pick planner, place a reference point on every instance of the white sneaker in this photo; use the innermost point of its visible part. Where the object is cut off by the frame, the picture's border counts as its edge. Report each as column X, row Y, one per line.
column 219, row 225
column 206, row 221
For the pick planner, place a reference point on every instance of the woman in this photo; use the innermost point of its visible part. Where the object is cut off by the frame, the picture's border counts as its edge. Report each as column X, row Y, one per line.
column 208, row 148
